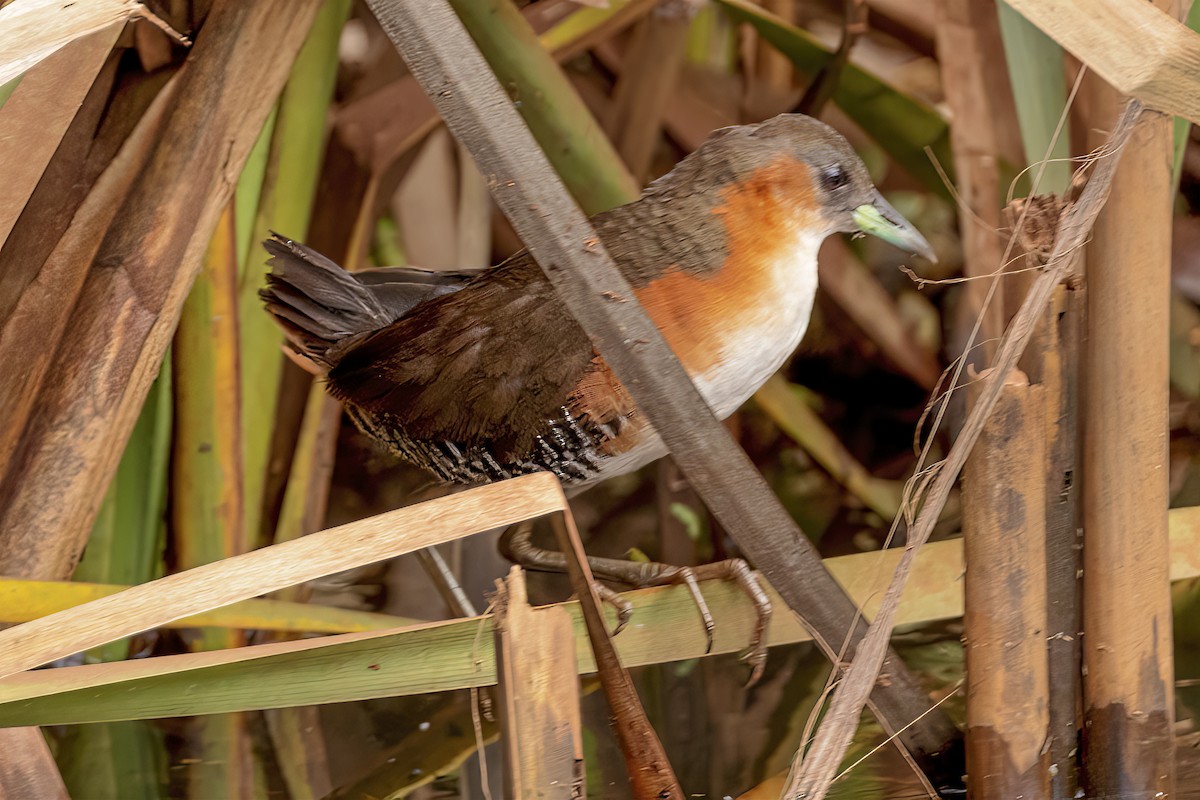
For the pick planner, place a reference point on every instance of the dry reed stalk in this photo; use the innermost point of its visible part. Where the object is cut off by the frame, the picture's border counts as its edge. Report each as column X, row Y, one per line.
column 1004, row 532
column 814, row 771
column 1127, row 647
column 540, row 722
column 33, row 30
column 46, row 258
column 37, row 116
column 1052, row 362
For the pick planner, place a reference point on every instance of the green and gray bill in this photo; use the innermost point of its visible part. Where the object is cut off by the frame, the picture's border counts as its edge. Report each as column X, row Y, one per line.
column 878, row 218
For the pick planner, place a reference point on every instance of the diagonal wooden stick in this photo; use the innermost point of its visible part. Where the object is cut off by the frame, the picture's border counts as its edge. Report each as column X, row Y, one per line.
column 814, row 772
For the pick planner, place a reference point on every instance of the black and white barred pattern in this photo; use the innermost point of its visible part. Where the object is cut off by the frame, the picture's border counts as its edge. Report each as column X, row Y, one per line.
column 565, row 448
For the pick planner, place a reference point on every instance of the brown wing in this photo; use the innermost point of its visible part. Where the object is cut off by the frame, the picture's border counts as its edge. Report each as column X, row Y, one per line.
column 489, row 364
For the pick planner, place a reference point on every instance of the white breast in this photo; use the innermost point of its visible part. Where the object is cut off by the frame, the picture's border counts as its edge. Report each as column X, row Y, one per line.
column 751, row 354
column 754, row 352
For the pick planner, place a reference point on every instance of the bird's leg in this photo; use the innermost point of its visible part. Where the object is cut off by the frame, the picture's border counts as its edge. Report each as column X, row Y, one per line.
column 517, row 545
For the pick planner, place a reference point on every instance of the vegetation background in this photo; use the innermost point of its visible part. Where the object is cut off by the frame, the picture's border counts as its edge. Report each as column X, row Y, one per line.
column 152, row 416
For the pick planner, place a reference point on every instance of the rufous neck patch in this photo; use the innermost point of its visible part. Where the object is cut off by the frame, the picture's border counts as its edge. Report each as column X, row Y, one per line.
column 764, row 215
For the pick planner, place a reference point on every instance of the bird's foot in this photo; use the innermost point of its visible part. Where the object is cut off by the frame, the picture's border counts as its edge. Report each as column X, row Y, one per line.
column 734, row 569
column 516, row 544
column 613, row 598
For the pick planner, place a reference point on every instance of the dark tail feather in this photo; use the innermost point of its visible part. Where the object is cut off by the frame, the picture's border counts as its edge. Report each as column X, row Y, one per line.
column 319, row 305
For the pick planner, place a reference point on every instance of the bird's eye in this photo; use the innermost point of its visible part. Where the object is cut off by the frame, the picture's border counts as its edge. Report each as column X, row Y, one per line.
column 834, row 178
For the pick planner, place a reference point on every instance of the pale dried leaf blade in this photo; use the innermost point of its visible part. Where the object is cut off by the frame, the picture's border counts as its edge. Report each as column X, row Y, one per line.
column 1139, row 49
column 32, row 30
column 269, row 569
column 36, row 116
column 41, row 316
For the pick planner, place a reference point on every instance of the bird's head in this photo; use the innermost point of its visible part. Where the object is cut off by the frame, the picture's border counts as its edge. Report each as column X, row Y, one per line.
column 807, row 167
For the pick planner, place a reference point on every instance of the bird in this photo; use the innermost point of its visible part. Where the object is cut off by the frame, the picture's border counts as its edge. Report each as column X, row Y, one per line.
column 483, row 375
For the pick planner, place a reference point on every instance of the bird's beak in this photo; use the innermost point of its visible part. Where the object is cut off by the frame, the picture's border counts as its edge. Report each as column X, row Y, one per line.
column 878, row 218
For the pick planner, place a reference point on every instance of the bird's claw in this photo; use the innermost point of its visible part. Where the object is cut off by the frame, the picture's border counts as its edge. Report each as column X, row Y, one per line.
column 613, row 598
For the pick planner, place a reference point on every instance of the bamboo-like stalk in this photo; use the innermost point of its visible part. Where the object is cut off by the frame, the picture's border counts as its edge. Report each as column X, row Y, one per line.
column 1004, row 530
column 814, row 775
column 1035, row 65
column 1052, row 362
column 1127, row 653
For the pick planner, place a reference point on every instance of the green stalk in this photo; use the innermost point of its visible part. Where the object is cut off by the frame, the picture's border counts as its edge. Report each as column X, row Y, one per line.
column 568, row 133
column 127, row 541
column 249, row 193
column 126, row 759
column 1035, row 68
column 207, row 495
column 291, row 170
